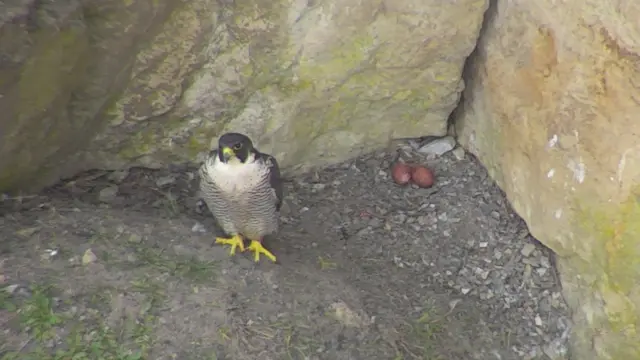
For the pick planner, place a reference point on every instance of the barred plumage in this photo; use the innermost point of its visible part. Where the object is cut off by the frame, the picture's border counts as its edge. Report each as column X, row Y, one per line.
column 241, row 196
column 242, row 188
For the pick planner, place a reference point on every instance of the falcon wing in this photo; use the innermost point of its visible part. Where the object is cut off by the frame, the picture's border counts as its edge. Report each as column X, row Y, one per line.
column 274, row 178
column 212, row 153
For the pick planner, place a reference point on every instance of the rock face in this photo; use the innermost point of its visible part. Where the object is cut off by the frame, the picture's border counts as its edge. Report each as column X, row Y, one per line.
column 111, row 84
column 552, row 109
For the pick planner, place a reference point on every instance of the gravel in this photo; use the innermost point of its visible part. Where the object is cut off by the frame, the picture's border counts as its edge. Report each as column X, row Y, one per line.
column 453, row 261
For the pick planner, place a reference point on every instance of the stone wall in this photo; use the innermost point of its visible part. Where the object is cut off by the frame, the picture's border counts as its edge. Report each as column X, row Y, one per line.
column 114, row 83
column 552, row 109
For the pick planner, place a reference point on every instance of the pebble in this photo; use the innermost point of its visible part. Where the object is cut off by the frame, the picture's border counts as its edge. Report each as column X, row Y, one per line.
column 459, row 153
column 438, row 147
column 527, row 249
column 108, row 194
column 135, row 238
column 88, row 257
column 318, row 187
column 118, row 176
column 198, row 227
column 544, row 262
column 11, row 288
column 165, row 180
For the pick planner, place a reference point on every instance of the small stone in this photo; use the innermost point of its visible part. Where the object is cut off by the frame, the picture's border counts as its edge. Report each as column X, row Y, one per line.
column 399, row 218
column 484, row 274
column 541, row 271
column 165, row 180
column 526, row 275
column 118, row 176
column 135, row 238
column 459, row 153
column 465, row 291
column 538, row 320
column 453, row 303
column 398, row 261
column 108, row 194
column 27, row 232
column 527, row 249
column 18, row 290
column 483, row 244
column 523, row 234
column 49, row 254
column 88, row 257
column 198, row 227
column 347, row 316
column 544, row 261
column 318, row 187
column 438, row 147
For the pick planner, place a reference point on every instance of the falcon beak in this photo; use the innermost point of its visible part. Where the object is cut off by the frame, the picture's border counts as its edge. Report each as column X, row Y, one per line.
column 228, row 154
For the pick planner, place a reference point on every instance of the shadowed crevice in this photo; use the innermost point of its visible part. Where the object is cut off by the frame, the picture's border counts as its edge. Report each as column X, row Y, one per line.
column 470, row 63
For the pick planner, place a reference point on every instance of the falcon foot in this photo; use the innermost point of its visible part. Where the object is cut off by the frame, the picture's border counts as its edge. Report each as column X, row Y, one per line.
column 235, row 242
column 258, row 249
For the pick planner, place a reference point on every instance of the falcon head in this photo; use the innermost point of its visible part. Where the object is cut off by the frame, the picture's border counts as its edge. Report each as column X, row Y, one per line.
column 235, row 148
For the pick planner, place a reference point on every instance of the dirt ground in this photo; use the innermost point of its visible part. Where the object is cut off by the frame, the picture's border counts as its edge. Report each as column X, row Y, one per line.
column 121, row 265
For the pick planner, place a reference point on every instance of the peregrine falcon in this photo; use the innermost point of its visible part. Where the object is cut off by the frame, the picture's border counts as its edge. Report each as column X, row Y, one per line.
column 242, row 188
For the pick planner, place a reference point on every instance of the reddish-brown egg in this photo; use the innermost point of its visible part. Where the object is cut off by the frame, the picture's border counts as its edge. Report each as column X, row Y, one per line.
column 401, row 173
column 422, row 176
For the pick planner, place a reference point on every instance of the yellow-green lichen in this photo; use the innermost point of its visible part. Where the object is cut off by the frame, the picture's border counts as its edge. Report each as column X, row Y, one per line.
column 615, row 265
column 43, row 87
column 194, row 145
column 290, row 87
column 350, row 55
column 150, row 140
column 138, row 144
column 43, row 76
column 200, row 140
column 617, row 233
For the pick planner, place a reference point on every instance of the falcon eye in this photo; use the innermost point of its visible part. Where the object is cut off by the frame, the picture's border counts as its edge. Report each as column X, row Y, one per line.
column 237, row 146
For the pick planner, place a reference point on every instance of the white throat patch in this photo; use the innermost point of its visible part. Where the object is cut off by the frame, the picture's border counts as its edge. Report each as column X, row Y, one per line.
column 235, row 176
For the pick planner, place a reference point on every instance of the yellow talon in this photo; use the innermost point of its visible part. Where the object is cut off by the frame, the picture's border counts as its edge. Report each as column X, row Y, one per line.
column 235, row 241
column 258, row 249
